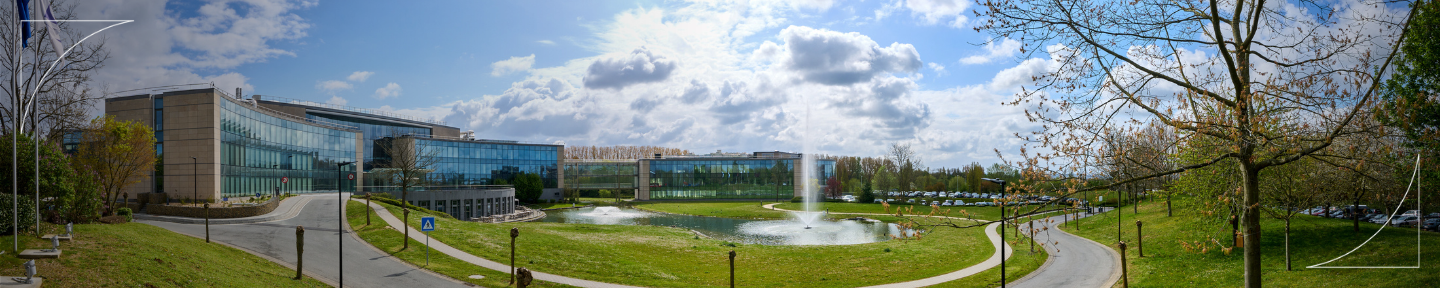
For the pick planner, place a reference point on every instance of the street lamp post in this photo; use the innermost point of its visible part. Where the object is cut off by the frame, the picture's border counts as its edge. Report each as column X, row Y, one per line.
column 291, row 159
column 339, row 194
column 195, row 165
column 1002, row 227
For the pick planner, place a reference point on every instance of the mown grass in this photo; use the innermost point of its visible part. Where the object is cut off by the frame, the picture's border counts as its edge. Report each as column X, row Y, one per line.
column 140, row 255
column 673, row 257
column 1313, row 240
column 387, row 239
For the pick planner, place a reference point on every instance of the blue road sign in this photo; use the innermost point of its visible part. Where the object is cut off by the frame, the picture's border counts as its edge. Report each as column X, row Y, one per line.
column 427, row 224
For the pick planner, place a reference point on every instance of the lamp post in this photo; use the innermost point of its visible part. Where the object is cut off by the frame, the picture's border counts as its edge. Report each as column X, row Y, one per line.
column 1002, row 227
column 195, row 165
column 339, row 194
column 291, row 160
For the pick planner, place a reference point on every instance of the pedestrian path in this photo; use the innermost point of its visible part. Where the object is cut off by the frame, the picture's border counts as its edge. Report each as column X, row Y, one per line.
column 992, row 262
column 482, row 262
column 1075, row 261
column 288, row 208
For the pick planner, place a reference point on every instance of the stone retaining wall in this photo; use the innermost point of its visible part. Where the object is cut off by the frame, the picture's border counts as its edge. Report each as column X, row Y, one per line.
column 215, row 212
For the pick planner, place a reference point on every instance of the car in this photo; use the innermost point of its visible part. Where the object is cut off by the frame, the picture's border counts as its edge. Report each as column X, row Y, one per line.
column 1433, row 215
column 1411, row 213
column 879, row 200
column 1337, row 214
column 1404, row 221
column 1432, row 224
column 962, row 203
column 910, row 200
column 1380, row 219
column 947, row 203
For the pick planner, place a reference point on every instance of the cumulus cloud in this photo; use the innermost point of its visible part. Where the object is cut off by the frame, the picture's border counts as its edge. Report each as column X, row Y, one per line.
column 546, row 42
column 936, row 11
column 939, row 69
column 835, row 58
column 333, row 86
column 359, row 76
column 1005, row 48
column 337, row 100
column 818, row 5
column 512, row 65
column 640, row 66
column 389, row 91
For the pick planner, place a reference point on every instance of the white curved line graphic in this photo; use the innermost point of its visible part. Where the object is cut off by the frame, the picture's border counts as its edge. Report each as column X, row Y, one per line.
column 72, row 48
column 1413, row 182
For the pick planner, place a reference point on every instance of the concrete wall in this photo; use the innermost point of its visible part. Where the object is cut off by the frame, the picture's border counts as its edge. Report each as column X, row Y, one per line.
column 642, row 185
column 192, row 129
column 443, row 131
column 141, row 109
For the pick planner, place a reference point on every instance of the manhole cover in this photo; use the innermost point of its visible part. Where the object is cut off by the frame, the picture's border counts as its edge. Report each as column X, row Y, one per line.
column 477, row 277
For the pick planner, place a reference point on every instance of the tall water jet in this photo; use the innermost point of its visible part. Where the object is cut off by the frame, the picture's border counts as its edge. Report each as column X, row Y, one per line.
column 807, row 177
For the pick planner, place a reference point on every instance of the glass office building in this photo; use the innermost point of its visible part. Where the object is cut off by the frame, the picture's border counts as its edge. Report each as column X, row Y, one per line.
column 600, row 174
column 729, row 177
column 372, row 130
column 257, row 149
column 482, row 162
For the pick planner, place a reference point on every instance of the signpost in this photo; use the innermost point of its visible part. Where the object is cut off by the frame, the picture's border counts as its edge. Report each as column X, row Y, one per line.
column 427, row 224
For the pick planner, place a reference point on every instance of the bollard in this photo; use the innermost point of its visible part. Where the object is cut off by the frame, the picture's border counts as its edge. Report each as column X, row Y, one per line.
column 524, row 279
column 299, row 250
column 732, row 268
column 207, row 222
column 514, row 232
column 1124, row 272
column 369, row 210
column 407, row 230
column 1139, row 239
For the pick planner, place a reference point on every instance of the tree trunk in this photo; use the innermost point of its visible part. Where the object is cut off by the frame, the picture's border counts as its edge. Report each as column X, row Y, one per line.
column 1287, row 242
column 1357, row 218
column 1168, row 209
column 1251, row 220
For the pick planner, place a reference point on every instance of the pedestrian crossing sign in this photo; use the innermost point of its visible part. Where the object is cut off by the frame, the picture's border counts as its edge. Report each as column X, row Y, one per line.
column 427, row 224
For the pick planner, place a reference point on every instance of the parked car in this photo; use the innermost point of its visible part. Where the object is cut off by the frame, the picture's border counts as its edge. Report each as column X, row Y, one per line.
column 947, row 203
column 1431, row 224
column 1380, row 219
column 1411, row 213
column 1404, row 221
column 879, row 200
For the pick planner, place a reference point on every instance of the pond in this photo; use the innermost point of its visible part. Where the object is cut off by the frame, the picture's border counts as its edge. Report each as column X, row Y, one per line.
column 765, row 232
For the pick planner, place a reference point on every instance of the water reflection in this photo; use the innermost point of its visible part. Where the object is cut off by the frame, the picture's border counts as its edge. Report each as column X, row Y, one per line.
column 766, row 232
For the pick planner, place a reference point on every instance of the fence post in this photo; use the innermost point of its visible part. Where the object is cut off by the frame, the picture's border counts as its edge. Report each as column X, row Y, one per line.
column 514, row 232
column 368, row 210
column 299, row 250
column 1139, row 239
column 1124, row 271
column 732, row 268
column 207, row 221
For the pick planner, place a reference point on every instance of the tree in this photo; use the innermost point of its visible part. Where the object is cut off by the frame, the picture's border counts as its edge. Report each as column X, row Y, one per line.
column 62, row 98
column 906, row 162
column 1253, row 94
column 884, row 181
column 957, row 183
column 117, row 154
column 1410, row 99
column 58, row 179
column 1292, row 187
column 528, row 187
column 867, row 195
column 404, row 163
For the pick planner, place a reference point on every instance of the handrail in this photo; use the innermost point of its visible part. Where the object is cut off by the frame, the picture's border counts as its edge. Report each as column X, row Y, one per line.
column 351, row 109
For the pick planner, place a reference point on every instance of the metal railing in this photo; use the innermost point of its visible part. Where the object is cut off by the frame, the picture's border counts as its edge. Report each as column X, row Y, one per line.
column 351, row 109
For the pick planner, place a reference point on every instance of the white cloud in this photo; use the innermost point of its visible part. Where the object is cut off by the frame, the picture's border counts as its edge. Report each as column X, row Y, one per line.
column 359, row 76
column 936, row 11
column 389, row 91
column 939, row 69
column 546, row 42
column 835, row 58
column 640, row 66
column 512, row 65
column 817, row 5
column 1007, row 48
column 333, row 86
column 337, row 100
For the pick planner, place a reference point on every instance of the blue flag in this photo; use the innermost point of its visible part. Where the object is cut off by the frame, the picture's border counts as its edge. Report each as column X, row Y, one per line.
column 22, row 7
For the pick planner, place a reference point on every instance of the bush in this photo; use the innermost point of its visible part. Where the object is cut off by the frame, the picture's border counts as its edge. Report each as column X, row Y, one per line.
column 27, row 213
column 797, row 200
column 606, row 194
column 125, row 211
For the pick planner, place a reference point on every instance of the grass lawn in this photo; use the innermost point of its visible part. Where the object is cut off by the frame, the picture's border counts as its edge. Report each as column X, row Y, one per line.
column 386, row 238
column 140, row 255
column 1313, row 240
column 672, row 257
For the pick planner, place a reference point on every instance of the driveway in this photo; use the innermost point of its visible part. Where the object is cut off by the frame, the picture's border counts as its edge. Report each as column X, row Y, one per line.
column 365, row 266
column 1079, row 262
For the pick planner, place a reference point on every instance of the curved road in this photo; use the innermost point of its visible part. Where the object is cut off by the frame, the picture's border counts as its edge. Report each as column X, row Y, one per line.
column 365, row 266
column 1077, row 262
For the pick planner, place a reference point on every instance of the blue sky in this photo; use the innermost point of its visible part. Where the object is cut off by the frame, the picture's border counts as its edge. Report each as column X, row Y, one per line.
column 849, row 77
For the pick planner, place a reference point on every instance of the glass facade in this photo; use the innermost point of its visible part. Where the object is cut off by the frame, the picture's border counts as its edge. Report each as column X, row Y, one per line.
column 463, row 162
column 595, row 175
column 728, row 178
column 372, row 130
column 257, row 149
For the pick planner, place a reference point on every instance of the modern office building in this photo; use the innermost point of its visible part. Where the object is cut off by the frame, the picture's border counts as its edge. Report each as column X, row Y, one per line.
column 760, row 175
column 214, row 145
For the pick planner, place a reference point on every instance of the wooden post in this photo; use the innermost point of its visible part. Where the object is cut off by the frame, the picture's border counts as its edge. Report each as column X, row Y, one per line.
column 368, row 210
column 732, row 268
column 1032, row 236
column 1124, row 272
column 406, row 240
column 207, row 221
column 299, row 250
column 1139, row 239
column 514, row 232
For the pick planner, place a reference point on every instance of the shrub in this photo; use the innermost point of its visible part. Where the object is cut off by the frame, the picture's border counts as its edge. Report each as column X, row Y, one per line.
column 797, row 200
column 125, row 211
column 27, row 213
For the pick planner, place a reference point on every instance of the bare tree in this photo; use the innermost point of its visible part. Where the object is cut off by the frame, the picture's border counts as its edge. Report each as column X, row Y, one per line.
column 405, row 165
column 62, row 98
column 905, row 162
column 1272, row 73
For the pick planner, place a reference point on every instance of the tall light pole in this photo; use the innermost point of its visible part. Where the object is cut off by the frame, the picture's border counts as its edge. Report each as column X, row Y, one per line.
column 291, row 159
column 1002, row 227
column 195, row 164
column 339, row 194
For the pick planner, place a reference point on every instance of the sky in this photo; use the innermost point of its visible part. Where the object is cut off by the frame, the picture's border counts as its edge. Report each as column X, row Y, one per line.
column 833, row 77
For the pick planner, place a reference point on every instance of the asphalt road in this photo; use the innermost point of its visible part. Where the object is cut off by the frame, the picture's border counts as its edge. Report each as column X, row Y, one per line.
column 1079, row 263
column 364, row 265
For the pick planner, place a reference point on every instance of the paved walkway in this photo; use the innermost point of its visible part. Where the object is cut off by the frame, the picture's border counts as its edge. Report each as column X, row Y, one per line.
column 482, row 262
column 288, row 208
column 365, row 266
column 1076, row 261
